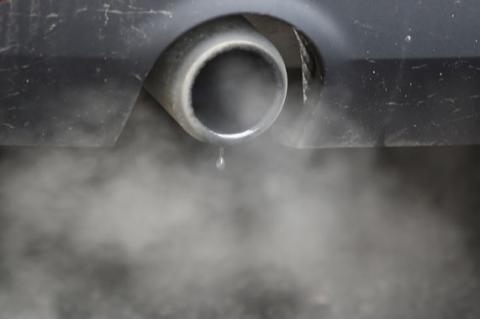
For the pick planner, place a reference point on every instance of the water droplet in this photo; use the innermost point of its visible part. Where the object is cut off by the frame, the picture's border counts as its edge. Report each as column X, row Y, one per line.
column 221, row 159
column 408, row 38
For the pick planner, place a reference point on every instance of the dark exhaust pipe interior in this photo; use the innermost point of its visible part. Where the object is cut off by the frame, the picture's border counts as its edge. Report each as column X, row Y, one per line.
column 234, row 91
column 223, row 82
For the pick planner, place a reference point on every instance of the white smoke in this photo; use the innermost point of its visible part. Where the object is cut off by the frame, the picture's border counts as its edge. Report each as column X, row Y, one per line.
column 150, row 229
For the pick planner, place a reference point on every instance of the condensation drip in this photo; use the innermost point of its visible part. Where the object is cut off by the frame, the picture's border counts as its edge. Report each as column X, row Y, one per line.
column 221, row 159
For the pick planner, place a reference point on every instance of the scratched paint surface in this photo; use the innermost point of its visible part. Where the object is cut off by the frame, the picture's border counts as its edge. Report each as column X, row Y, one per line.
column 396, row 72
column 65, row 80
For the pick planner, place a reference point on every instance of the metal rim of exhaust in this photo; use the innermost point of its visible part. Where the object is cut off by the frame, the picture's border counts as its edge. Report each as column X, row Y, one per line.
column 204, row 133
column 172, row 80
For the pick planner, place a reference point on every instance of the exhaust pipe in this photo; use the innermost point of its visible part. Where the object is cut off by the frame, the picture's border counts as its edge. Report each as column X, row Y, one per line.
column 223, row 82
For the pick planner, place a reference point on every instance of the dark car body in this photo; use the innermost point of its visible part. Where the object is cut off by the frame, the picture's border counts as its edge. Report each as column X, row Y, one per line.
column 395, row 72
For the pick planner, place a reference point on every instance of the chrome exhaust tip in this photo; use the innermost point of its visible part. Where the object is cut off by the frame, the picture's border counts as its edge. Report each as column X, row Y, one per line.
column 223, row 82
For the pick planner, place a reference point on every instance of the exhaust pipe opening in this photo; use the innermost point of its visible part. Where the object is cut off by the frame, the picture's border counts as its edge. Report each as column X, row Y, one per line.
column 223, row 82
column 235, row 91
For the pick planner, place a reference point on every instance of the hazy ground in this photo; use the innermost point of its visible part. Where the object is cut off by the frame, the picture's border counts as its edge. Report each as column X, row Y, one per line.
column 151, row 229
